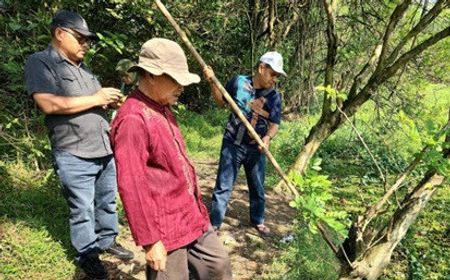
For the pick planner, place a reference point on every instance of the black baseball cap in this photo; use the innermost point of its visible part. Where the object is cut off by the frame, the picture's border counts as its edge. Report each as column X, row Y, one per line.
column 72, row 20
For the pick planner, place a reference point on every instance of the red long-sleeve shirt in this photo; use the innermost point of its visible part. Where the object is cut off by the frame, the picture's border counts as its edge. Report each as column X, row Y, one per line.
column 157, row 181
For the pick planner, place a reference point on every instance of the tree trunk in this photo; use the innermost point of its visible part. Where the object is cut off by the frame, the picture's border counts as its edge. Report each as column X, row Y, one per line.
column 373, row 262
column 327, row 125
column 331, row 120
column 369, row 254
column 271, row 23
column 319, row 133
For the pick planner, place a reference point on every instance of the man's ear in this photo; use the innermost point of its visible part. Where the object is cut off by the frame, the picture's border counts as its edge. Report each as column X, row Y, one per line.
column 260, row 68
column 58, row 34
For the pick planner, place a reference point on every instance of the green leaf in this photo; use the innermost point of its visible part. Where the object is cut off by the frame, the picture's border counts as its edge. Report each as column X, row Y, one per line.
column 293, row 204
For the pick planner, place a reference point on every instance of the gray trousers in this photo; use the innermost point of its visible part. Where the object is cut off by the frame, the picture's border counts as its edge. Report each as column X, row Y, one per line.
column 205, row 259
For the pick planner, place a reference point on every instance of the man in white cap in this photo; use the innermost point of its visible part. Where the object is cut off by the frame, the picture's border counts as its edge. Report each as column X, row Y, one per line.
column 156, row 179
column 261, row 104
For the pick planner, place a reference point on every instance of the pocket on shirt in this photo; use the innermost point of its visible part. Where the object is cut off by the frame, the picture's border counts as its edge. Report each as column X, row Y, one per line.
column 70, row 85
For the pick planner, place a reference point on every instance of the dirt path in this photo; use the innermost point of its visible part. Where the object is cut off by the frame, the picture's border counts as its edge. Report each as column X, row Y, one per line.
column 249, row 253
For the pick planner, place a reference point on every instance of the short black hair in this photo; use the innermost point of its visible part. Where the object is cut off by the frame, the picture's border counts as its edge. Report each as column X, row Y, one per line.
column 141, row 73
column 53, row 30
column 264, row 64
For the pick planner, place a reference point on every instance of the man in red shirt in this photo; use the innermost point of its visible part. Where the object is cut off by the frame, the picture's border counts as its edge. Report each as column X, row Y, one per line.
column 157, row 182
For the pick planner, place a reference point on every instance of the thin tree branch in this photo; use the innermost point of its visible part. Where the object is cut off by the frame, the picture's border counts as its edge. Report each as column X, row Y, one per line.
column 421, row 25
column 294, row 19
column 375, row 209
column 397, row 49
column 396, row 16
column 406, row 57
column 271, row 23
column 330, row 9
column 327, row 237
column 375, row 56
column 383, row 178
column 351, row 105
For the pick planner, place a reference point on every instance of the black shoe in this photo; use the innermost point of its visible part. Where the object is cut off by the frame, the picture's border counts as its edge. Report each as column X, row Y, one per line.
column 120, row 252
column 93, row 267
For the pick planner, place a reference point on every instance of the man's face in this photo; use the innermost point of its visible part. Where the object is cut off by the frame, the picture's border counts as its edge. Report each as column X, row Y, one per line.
column 169, row 90
column 268, row 76
column 73, row 44
column 126, row 79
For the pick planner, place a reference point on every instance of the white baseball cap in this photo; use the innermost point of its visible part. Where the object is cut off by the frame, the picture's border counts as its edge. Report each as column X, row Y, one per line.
column 274, row 60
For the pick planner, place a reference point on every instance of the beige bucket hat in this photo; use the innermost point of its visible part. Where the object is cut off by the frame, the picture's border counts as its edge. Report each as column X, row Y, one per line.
column 161, row 56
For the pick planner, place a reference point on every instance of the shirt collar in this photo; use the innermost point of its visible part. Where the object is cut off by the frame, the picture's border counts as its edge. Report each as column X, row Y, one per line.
column 58, row 57
column 260, row 91
column 150, row 101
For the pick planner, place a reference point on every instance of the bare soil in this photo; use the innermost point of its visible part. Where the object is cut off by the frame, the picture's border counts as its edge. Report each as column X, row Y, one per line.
column 250, row 253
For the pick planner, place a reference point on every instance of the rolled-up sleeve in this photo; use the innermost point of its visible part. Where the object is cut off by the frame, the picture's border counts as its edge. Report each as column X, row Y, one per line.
column 132, row 144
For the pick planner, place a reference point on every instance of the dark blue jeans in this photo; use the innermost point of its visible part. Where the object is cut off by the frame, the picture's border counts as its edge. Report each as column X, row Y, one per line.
column 231, row 158
column 89, row 187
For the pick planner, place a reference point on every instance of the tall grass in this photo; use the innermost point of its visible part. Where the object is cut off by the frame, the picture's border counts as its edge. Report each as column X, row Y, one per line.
column 202, row 132
column 34, row 241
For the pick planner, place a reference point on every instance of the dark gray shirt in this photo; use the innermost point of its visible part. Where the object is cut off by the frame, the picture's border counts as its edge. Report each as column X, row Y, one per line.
column 84, row 134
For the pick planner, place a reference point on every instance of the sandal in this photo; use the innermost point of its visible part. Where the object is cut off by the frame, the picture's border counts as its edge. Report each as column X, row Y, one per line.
column 263, row 230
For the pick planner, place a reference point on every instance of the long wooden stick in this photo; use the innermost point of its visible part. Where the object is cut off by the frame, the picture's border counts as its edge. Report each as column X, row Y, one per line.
column 322, row 229
column 227, row 97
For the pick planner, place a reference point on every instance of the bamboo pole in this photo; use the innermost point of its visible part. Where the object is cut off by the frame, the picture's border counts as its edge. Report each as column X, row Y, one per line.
column 227, row 97
column 322, row 228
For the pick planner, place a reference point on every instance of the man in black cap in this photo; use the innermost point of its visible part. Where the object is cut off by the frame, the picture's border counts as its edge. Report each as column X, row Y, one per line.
column 74, row 104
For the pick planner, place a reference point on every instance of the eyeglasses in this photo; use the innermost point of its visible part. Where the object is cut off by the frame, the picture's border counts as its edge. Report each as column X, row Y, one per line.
column 80, row 38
